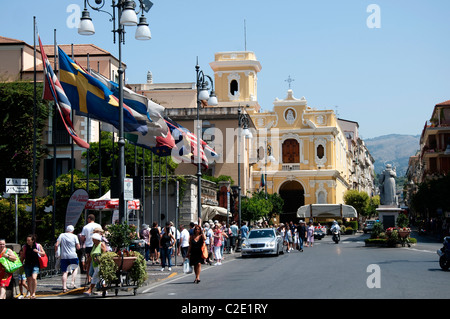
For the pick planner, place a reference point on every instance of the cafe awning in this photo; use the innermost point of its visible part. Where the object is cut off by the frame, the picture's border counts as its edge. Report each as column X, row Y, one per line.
column 210, row 212
column 327, row 211
column 107, row 203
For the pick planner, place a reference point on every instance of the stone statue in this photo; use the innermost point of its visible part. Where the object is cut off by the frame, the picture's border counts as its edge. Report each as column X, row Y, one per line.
column 387, row 188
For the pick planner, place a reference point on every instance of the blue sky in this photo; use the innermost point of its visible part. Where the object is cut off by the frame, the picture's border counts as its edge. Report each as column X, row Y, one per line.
column 387, row 79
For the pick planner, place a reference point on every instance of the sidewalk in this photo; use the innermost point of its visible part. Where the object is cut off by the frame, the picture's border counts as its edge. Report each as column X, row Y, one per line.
column 52, row 286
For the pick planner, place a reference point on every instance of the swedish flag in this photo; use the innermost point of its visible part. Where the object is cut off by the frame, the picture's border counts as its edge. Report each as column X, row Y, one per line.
column 88, row 95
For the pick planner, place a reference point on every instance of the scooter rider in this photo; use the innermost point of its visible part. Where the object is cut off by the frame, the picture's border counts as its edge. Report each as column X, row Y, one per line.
column 336, row 227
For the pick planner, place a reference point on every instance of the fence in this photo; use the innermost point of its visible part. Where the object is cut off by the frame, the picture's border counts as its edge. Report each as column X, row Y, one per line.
column 53, row 267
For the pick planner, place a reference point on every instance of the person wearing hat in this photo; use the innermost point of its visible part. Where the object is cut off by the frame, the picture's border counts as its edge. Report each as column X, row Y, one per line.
column 98, row 249
column 145, row 235
column 68, row 243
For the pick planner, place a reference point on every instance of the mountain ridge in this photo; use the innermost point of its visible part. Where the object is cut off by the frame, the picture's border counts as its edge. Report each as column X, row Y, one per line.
column 394, row 149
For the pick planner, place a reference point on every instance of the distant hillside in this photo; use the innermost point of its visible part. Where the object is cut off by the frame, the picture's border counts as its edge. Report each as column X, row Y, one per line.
column 394, row 149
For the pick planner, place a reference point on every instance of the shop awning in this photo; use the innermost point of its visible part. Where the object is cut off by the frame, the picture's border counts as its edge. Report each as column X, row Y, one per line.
column 327, row 211
column 107, row 203
column 210, row 212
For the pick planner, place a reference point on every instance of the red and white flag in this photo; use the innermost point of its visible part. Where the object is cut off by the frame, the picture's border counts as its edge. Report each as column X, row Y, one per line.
column 54, row 91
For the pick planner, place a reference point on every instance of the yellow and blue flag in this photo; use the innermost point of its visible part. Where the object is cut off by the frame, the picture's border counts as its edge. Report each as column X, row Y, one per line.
column 88, row 95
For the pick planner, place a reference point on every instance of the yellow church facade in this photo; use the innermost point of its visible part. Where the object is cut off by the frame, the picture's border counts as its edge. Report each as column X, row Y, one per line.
column 301, row 154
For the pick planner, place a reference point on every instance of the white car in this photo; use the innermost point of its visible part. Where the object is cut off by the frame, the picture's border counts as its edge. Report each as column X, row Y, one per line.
column 262, row 241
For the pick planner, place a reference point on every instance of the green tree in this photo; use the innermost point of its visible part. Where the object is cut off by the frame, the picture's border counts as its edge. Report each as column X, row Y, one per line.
column 277, row 205
column 359, row 200
column 371, row 209
column 17, row 130
column 432, row 195
column 256, row 207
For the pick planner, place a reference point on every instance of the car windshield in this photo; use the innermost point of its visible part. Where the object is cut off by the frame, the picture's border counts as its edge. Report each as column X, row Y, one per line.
column 261, row 233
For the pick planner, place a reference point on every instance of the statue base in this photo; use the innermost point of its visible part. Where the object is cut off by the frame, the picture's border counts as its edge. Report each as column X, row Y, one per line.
column 388, row 215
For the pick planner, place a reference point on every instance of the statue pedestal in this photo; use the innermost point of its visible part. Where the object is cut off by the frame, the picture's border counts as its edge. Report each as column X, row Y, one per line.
column 388, row 215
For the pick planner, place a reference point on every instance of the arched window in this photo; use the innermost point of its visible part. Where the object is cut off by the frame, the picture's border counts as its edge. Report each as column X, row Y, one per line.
column 321, row 198
column 320, row 151
column 234, row 87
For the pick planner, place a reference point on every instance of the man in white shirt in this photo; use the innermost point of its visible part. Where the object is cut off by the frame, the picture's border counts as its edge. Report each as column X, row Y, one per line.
column 68, row 244
column 86, row 238
column 184, row 241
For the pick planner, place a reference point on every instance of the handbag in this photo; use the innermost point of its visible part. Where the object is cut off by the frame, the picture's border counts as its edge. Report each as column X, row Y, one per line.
column 204, row 251
column 11, row 266
column 43, row 260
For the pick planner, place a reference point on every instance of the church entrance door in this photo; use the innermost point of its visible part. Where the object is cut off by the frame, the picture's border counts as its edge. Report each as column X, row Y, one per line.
column 293, row 194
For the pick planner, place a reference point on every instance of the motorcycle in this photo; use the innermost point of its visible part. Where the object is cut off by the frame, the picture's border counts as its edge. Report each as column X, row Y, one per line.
column 336, row 236
column 444, row 254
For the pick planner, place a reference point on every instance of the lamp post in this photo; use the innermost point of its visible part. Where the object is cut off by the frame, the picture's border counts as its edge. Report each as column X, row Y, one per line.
column 127, row 17
column 202, row 96
column 268, row 159
column 243, row 122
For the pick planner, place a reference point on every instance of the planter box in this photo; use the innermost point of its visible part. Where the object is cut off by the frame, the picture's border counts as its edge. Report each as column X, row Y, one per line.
column 128, row 262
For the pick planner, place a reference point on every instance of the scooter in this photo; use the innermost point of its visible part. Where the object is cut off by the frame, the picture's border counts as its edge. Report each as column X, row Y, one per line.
column 444, row 254
column 336, row 236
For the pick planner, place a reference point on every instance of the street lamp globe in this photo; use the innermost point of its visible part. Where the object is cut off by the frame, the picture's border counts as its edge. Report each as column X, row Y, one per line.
column 247, row 133
column 212, row 101
column 143, row 31
column 129, row 17
column 203, row 95
column 86, row 26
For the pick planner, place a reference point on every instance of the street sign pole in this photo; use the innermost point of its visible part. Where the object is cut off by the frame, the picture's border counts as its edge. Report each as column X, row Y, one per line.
column 16, row 186
column 17, row 220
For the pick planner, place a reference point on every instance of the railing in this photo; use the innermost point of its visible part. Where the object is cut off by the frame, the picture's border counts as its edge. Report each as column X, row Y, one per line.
column 290, row 167
column 52, row 268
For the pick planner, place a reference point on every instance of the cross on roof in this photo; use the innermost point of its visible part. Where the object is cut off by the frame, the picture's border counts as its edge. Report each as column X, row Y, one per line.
column 289, row 80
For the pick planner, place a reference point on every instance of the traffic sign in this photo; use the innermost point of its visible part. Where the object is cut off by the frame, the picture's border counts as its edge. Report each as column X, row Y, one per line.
column 16, row 182
column 128, row 189
column 17, row 189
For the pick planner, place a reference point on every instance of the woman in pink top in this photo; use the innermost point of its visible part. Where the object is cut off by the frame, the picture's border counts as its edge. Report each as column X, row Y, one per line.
column 218, row 238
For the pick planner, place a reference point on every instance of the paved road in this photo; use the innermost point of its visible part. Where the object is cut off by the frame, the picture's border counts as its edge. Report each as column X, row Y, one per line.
column 327, row 271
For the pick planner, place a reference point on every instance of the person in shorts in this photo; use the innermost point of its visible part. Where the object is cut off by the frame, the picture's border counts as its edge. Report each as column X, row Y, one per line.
column 68, row 244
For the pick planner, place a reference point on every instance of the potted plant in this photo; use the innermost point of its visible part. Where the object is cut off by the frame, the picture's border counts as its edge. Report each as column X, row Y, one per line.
column 120, row 236
column 109, row 268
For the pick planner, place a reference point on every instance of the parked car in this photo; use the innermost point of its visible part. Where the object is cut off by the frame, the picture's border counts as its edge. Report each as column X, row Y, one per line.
column 319, row 233
column 262, row 241
column 368, row 226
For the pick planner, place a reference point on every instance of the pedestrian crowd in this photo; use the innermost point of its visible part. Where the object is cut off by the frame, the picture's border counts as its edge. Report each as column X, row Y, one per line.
column 197, row 244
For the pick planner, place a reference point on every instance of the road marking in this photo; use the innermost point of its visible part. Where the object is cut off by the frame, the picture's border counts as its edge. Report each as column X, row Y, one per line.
column 166, row 281
column 421, row 250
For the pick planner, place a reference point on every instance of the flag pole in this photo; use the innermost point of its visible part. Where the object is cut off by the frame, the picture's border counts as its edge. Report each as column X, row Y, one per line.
column 55, row 114
column 88, row 136
column 72, row 162
column 33, row 205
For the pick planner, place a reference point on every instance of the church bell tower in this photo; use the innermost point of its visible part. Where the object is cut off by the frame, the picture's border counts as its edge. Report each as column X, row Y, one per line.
column 235, row 78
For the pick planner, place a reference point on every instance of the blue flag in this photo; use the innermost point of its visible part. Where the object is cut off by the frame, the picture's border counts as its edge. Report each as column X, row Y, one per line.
column 88, row 95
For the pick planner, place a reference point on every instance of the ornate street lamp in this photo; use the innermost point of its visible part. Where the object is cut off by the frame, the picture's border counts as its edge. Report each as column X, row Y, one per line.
column 243, row 122
column 202, row 96
column 127, row 17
